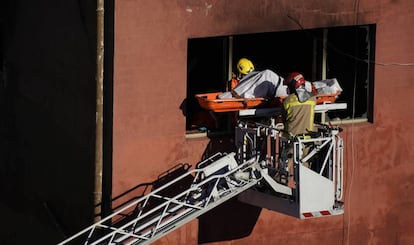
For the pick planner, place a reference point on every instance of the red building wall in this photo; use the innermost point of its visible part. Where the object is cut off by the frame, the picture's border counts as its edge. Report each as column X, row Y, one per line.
column 149, row 129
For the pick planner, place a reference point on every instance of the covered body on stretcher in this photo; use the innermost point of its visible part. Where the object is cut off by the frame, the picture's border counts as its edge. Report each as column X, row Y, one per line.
column 264, row 89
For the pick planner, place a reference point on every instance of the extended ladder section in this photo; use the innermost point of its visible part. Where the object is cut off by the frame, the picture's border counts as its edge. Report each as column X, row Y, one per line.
column 216, row 180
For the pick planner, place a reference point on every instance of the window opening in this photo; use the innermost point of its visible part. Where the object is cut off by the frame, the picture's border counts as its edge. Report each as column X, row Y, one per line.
column 350, row 58
column 206, row 72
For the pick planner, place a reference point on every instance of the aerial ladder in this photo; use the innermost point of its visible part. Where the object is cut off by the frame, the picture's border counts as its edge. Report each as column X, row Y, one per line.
column 257, row 174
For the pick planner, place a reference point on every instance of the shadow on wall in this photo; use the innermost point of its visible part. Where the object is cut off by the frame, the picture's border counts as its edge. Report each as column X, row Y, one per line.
column 232, row 219
column 136, row 210
column 226, row 219
column 143, row 189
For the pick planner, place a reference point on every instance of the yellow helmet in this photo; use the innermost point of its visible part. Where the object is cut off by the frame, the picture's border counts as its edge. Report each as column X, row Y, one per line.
column 244, row 66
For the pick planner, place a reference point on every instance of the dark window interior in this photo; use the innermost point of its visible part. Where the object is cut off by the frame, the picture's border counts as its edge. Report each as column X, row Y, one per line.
column 206, row 72
column 349, row 58
column 281, row 52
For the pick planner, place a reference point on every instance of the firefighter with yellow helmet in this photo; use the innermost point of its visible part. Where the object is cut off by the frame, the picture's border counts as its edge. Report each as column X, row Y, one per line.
column 244, row 67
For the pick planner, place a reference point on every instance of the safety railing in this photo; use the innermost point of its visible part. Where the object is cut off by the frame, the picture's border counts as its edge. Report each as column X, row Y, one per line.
column 332, row 165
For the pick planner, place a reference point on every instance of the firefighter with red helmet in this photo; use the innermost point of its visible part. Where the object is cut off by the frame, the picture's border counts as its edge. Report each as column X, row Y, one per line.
column 298, row 106
column 298, row 115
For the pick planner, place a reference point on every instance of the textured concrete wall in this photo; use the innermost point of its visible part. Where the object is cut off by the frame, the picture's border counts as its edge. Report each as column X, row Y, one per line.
column 149, row 128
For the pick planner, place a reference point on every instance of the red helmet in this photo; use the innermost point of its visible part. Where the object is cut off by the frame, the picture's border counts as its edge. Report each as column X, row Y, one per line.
column 295, row 77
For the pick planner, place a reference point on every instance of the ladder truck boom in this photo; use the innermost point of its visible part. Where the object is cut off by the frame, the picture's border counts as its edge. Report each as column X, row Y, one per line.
column 208, row 190
column 257, row 174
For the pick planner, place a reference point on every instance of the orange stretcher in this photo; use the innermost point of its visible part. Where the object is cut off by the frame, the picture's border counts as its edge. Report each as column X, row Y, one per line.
column 211, row 102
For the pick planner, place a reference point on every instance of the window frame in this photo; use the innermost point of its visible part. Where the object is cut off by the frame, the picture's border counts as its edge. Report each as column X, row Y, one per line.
column 321, row 51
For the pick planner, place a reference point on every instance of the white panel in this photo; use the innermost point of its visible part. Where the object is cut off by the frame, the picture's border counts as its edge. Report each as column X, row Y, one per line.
column 330, row 107
column 316, row 191
column 276, row 186
column 226, row 161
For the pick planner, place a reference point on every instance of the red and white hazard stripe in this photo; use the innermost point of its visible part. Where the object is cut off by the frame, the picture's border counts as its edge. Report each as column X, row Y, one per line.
column 315, row 214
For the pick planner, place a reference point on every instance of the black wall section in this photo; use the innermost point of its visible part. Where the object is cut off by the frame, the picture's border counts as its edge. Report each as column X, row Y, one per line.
column 47, row 113
column 108, row 107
